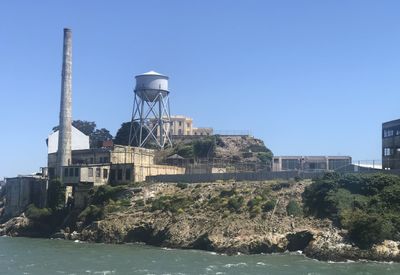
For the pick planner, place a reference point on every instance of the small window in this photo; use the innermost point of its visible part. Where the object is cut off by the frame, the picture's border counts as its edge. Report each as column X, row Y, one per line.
column 76, row 172
column 119, row 175
column 128, row 174
column 97, row 172
column 180, row 123
column 90, row 172
column 65, row 172
column 106, row 160
column 91, row 160
column 387, row 151
column 105, row 173
column 71, row 172
column 112, row 174
column 101, row 159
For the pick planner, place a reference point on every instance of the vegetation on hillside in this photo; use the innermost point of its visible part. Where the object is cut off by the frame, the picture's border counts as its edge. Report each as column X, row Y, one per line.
column 366, row 205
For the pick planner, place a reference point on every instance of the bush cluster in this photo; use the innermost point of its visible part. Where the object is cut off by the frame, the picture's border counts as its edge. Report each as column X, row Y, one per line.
column 37, row 214
column 171, row 203
column 367, row 205
column 104, row 193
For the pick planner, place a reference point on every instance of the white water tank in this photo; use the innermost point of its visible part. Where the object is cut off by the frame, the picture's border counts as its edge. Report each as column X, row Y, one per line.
column 149, row 85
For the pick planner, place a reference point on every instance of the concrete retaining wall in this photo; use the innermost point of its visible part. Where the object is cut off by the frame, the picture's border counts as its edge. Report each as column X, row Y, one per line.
column 248, row 176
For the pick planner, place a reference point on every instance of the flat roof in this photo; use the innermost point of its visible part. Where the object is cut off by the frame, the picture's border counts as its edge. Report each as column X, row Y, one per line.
column 391, row 123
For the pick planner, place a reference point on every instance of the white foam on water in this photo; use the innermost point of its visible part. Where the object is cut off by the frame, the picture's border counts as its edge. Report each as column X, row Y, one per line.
column 235, row 265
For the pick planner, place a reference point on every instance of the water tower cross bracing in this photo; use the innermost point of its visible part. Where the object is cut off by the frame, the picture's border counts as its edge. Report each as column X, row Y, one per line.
column 151, row 120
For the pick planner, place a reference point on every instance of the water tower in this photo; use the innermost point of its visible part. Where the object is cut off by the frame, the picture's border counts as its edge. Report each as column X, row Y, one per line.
column 151, row 120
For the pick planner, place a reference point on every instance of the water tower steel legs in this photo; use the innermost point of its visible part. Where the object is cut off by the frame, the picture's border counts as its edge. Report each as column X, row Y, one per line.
column 152, row 116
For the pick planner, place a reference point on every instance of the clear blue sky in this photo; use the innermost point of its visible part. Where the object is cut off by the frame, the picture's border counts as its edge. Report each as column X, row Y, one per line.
column 307, row 77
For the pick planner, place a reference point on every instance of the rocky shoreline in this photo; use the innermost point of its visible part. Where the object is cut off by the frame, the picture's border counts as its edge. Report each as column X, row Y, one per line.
column 206, row 224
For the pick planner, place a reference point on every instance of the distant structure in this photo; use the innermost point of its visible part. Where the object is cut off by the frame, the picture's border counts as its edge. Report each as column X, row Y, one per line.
column 64, row 137
column 183, row 126
column 391, row 145
column 151, row 103
column 310, row 163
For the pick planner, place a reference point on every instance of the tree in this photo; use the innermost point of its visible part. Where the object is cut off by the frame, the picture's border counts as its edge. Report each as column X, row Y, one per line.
column 98, row 136
column 122, row 136
column 55, row 195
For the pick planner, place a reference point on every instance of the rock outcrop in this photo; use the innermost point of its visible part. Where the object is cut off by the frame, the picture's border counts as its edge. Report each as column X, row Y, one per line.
column 226, row 217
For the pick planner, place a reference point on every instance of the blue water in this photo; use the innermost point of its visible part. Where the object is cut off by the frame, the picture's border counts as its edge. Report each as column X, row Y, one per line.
column 41, row 256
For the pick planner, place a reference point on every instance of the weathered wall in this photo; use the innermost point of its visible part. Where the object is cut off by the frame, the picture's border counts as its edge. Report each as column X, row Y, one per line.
column 143, row 171
column 138, row 156
column 22, row 191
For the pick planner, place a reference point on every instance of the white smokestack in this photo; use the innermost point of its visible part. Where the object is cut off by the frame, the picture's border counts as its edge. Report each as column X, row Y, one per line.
column 64, row 137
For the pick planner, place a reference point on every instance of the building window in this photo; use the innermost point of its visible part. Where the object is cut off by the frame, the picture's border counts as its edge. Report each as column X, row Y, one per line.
column 388, row 132
column 101, row 159
column 106, row 160
column 97, row 172
column 119, row 175
column 128, row 174
column 71, row 172
column 76, row 172
column 179, row 131
column 91, row 160
column 387, row 151
column 188, row 125
column 90, row 172
column 65, row 172
column 105, row 173
column 180, row 123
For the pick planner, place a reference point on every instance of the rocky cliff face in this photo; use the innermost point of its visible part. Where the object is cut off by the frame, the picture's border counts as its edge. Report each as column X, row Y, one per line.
column 226, row 217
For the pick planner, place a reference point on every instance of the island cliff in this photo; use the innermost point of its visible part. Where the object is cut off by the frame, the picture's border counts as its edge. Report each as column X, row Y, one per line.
column 226, row 217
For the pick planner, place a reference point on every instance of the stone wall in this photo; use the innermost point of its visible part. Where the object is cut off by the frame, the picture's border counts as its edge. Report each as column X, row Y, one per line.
column 22, row 191
column 144, row 171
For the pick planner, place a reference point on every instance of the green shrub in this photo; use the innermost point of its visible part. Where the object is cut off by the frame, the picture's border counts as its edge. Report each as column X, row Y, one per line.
column 256, row 210
column 106, row 192
column 265, row 157
column 227, row 193
column 368, row 229
column 235, row 203
column 269, row 205
column 91, row 213
column 185, row 151
column 293, row 208
column 56, row 195
column 204, row 148
column 170, row 203
column 37, row 214
column 182, row 185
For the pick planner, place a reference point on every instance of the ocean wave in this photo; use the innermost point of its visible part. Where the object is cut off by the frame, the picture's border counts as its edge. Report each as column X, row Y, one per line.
column 235, row 265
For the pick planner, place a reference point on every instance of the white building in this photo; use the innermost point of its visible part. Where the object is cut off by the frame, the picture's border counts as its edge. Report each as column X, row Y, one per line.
column 79, row 141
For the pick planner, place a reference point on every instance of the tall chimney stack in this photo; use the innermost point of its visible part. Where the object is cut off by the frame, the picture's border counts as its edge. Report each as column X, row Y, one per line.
column 64, row 135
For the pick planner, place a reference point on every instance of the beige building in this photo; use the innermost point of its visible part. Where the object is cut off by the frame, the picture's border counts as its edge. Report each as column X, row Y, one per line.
column 183, row 126
column 116, row 165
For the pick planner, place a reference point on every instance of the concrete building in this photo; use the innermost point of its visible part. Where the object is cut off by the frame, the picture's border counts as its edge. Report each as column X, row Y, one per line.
column 22, row 191
column 113, row 165
column 310, row 163
column 391, row 145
